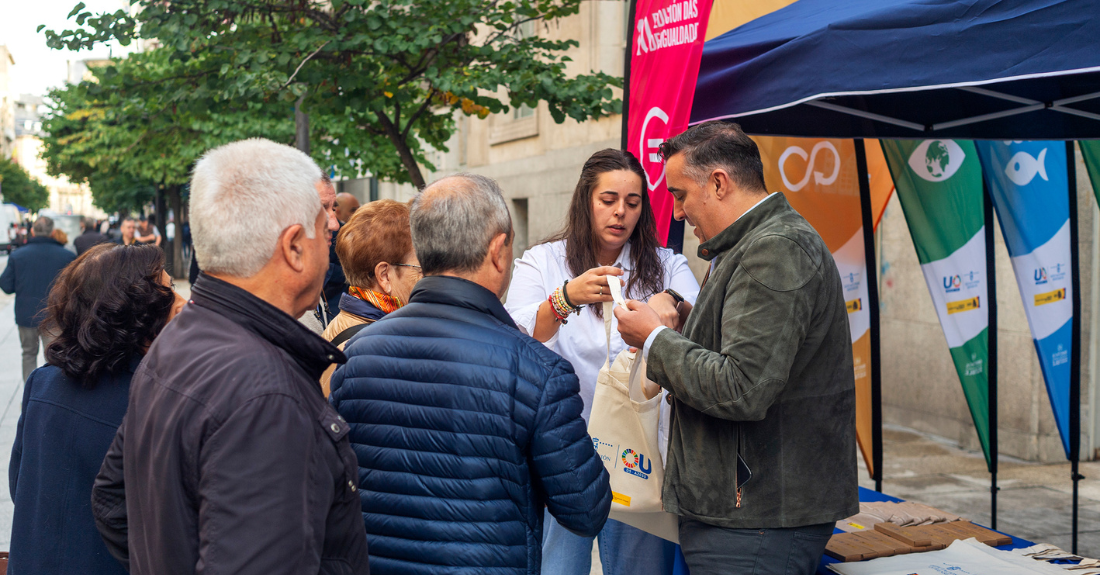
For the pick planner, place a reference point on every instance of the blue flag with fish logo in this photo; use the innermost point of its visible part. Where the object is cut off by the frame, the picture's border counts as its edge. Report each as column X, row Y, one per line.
column 1030, row 191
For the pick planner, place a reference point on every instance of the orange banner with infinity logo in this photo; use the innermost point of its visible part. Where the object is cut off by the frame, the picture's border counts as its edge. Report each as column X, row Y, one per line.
column 820, row 180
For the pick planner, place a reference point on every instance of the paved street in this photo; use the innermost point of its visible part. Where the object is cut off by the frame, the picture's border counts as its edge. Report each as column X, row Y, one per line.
column 1034, row 501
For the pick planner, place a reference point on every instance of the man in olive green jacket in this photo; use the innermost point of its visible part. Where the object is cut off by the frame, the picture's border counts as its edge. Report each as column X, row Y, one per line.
column 763, row 370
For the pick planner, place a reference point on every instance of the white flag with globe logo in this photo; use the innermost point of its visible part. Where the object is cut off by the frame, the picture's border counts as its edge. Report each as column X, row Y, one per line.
column 939, row 184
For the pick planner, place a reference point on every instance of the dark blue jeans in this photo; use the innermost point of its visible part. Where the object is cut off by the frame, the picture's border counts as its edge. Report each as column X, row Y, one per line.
column 717, row 550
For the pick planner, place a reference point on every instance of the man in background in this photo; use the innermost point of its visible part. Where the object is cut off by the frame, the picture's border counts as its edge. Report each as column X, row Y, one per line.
column 29, row 275
column 346, row 204
column 147, row 232
column 336, row 283
column 89, row 236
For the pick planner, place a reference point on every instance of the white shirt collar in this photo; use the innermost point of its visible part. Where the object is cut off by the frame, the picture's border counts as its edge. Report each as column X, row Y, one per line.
column 623, row 261
column 765, row 198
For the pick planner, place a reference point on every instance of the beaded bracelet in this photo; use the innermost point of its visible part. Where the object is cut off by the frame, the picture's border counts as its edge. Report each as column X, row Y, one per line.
column 554, row 310
column 559, row 306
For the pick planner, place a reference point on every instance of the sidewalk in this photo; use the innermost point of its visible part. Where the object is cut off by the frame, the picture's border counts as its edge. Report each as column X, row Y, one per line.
column 11, row 396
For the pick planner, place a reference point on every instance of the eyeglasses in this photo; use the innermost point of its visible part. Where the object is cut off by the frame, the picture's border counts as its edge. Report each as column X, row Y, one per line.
column 417, row 268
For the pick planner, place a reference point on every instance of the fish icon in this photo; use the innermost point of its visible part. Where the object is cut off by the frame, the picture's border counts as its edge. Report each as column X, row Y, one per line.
column 1022, row 167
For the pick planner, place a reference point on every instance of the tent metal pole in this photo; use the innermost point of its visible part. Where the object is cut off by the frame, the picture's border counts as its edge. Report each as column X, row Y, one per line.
column 1075, row 355
column 1075, row 99
column 991, row 372
column 624, row 144
column 866, row 211
column 1074, row 112
column 867, row 115
column 993, row 94
column 986, row 117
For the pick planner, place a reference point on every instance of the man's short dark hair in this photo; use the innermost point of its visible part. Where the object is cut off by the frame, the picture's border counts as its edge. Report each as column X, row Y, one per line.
column 717, row 144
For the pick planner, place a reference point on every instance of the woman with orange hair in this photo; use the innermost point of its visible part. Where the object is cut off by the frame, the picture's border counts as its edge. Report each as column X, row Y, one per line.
column 375, row 250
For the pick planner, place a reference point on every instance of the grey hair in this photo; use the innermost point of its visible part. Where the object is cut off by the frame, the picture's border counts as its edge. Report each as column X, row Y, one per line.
column 43, row 226
column 88, row 222
column 243, row 196
column 453, row 221
column 717, row 144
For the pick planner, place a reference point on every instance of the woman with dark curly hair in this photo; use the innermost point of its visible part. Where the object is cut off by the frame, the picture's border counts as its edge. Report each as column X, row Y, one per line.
column 105, row 309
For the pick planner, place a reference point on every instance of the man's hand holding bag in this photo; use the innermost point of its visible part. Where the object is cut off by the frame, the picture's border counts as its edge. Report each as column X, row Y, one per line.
column 623, row 427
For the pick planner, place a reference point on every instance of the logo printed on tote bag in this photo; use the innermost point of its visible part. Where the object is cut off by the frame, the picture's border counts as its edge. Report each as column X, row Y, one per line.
column 637, row 464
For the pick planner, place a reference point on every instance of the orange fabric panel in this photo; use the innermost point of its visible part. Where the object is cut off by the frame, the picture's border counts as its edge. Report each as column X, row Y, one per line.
column 725, row 15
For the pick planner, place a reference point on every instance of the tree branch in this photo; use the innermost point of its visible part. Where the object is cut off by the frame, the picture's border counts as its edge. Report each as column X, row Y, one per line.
column 303, row 63
column 416, row 116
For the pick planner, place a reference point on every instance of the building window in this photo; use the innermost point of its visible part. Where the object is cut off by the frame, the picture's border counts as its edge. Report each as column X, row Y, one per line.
column 522, row 111
column 525, row 29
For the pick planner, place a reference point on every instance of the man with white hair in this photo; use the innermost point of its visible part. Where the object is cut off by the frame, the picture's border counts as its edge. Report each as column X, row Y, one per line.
column 465, row 428
column 230, row 460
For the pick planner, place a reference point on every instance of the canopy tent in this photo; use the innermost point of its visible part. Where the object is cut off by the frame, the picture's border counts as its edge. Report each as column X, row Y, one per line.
column 970, row 69
column 917, row 69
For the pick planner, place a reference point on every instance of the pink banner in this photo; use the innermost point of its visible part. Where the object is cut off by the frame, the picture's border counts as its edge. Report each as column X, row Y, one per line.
column 664, row 66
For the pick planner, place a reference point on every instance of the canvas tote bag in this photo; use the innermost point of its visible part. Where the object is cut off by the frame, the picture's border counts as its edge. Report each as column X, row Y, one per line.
column 623, row 426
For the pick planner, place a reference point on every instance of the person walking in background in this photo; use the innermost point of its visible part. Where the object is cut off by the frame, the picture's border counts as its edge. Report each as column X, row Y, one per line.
column 60, row 236
column 105, row 307
column 230, row 460
column 346, row 205
column 761, row 379
column 610, row 230
column 336, row 281
column 147, row 232
column 464, row 427
column 376, row 253
column 126, row 232
column 88, row 237
column 29, row 274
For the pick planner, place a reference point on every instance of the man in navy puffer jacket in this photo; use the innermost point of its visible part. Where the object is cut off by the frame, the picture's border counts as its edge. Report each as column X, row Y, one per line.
column 464, row 427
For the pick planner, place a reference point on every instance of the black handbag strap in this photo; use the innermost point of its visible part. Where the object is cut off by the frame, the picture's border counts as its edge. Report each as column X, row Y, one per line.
column 349, row 333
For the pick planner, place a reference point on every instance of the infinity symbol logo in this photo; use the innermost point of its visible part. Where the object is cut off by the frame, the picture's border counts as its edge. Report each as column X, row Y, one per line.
column 819, row 177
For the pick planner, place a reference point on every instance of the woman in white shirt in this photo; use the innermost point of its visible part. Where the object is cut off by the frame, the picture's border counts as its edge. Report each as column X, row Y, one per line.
column 556, row 297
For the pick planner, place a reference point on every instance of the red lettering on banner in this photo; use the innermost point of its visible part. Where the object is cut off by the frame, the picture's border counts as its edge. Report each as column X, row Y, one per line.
column 668, row 45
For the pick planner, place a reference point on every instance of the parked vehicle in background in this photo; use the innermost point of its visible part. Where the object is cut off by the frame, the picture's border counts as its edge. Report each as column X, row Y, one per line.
column 9, row 220
column 70, row 224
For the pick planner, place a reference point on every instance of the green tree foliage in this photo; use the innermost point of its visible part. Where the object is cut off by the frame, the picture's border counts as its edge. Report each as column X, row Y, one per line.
column 380, row 79
column 18, row 187
column 134, row 130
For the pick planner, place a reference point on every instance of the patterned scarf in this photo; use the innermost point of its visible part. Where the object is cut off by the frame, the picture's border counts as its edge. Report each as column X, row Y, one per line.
column 379, row 300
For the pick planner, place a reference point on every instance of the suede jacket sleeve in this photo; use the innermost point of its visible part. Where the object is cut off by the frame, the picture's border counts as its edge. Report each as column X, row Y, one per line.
column 762, row 319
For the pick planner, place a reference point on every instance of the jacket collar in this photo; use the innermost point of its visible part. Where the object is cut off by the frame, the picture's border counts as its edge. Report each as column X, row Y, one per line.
column 735, row 232
column 449, row 290
column 42, row 240
column 312, row 353
column 363, row 309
